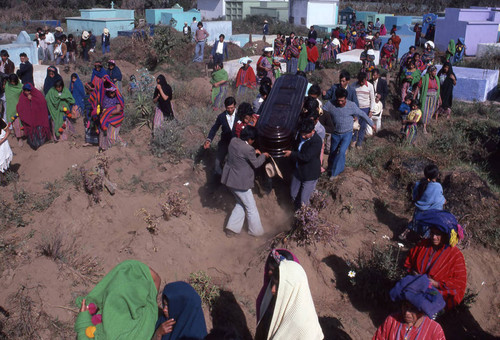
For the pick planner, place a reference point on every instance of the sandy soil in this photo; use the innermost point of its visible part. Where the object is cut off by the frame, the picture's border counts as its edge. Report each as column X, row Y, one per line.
column 114, row 230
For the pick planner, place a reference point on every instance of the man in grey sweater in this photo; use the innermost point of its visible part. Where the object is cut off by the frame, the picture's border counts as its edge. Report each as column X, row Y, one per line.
column 342, row 112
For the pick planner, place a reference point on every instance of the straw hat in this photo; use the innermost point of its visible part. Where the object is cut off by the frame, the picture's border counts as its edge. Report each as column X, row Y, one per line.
column 265, row 21
column 429, row 43
column 105, row 31
column 371, row 52
column 85, row 35
column 272, row 169
column 59, row 29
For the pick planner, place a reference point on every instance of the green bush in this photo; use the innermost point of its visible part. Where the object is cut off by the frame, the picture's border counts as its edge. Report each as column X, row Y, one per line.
column 168, row 141
column 375, row 273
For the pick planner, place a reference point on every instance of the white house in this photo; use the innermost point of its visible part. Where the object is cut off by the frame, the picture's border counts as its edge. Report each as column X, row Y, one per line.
column 313, row 12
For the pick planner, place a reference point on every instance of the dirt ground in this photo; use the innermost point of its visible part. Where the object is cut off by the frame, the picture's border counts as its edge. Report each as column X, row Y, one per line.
column 114, row 230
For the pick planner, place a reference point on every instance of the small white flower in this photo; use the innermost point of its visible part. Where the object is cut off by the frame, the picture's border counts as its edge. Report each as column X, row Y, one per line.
column 483, row 283
column 385, row 237
column 186, row 184
column 401, row 245
column 352, row 274
column 74, row 165
column 373, row 242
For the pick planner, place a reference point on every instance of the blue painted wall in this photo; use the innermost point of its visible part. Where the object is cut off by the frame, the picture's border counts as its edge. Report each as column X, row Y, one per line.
column 474, row 84
column 399, row 21
column 407, row 39
column 24, row 44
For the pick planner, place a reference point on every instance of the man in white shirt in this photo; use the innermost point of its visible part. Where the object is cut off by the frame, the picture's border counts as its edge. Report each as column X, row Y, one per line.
column 219, row 50
column 50, row 40
column 366, row 100
column 225, row 120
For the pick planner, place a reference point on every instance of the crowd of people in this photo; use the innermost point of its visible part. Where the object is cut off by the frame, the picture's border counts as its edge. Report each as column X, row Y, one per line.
column 331, row 121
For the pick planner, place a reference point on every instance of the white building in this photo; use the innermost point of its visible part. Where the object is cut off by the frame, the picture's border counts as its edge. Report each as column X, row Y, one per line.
column 314, row 12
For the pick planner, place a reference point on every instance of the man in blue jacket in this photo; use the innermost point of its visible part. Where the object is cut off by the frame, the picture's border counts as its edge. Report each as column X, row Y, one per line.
column 225, row 120
column 344, row 78
column 219, row 50
column 115, row 74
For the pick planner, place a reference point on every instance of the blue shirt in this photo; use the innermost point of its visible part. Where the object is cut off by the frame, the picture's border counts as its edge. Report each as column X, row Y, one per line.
column 432, row 198
column 404, row 109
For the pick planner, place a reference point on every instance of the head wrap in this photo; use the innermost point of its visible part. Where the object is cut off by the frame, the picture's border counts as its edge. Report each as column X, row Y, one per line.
column 417, row 290
column 268, row 49
column 429, row 43
column 245, row 60
column 27, row 87
column 111, row 61
column 312, row 41
column 184, row 306
column 442, row 220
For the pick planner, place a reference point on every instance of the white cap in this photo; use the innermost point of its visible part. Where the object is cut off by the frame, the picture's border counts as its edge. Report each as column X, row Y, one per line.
column 429, row 43
column 371, row 52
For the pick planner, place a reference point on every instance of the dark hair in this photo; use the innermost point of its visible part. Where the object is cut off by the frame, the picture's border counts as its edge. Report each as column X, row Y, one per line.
column 229, row 101
column 450, row 69
column 4, row 53
column 200, row 24
column 314, row 89
column 301, row 74
column 376, row 70
column 22, row 54
column 314, row 115
column 13, row 78
column 414, row 102
column 249, row 132
column 431, row 172
column 221, row 65
column 345, row 74
column 361, row 76
column 264, row 89
column 222, row 36
column 244, row 109
column 408, row 97
column 267, row 81
column 194, row 18
column 311, row 106
column 70, row 36
column 307, row 126
column 340, row 93
column 58, row 83
column 414, row 54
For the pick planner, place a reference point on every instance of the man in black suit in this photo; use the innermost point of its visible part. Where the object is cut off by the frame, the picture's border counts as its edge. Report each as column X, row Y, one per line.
column 225, row 120
column 312, row 34
column 307, row 163
column 25, row 72
column 379, row 85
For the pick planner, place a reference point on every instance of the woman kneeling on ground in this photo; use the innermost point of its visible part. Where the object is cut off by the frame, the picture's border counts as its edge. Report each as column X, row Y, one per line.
column 419, row 304
column 121, row 306
column 181, row 316
column 290, row 313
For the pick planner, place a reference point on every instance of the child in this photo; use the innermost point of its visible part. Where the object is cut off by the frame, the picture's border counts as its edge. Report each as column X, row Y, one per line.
column 427, row 195
column 410, row 123
column 5, row 151
column 91, row 126
column 404, row 109
column 132, row 85
column 378, row 107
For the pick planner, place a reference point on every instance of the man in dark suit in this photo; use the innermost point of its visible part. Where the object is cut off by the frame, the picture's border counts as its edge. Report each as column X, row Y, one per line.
column 312, row 34
column 6, row 65
column 379, row 85
column 307, row 164
column 25, row 72
column 219, row 50
column 225, row 120
column 238, row 176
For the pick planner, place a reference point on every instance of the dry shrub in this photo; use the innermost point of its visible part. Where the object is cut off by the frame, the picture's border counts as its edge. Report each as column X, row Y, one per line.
column 309, row 226
column 93, row 179
column 67, row 254
column 202, row 284
column 174, row 205
column 27, row 319
column 151, row 220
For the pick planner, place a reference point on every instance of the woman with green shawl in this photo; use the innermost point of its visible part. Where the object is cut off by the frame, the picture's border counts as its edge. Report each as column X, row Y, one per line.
column 13, row 89
column 429, row 94
column 450, row 52
column 59, row 100
column 219, row 86
column 302, row 64
column 121, row 306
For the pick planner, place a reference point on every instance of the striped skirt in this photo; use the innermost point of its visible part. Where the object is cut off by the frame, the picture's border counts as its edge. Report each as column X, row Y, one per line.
column 158, row 119
column 410, row 134
column 429, row 106
column 18, row 129
column 219, row 99
column 108, row 138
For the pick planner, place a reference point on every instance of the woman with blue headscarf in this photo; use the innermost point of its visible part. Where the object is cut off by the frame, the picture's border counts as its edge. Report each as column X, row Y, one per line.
column 51, row 78
column 78, row 91
column 181, row 316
